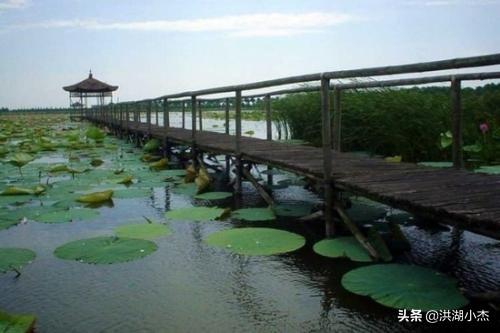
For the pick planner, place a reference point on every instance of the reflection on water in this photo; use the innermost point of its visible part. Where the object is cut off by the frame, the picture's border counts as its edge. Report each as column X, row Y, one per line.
column 187, row 286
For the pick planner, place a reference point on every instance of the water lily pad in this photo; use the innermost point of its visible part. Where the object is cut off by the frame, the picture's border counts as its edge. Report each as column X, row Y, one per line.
column 70, row 215
column 95, row 133
column 256, row 241
column 213, row 195
column 293, row 209
column 5, row 224
column 188, row 189
column 105, row 250
column 142, row 230
column 11, row 323
column 254, row 214
column 491, row 169
column 96, row 197
column 197, row 213
column 151, row 145
column 405, row 287
column 437, row 164
column 342, row 247
column 174, row 173
column 14, row 258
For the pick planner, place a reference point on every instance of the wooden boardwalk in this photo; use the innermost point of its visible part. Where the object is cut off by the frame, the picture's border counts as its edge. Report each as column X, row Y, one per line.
column 455, row 197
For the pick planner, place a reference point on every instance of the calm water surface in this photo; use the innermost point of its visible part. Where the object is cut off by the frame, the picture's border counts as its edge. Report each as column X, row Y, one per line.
column 187, row 286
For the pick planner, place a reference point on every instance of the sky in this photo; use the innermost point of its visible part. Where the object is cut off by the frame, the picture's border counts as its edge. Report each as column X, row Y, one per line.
column 151, row 48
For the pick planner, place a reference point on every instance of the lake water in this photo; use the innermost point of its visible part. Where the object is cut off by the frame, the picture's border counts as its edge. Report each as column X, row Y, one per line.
column 188, row 286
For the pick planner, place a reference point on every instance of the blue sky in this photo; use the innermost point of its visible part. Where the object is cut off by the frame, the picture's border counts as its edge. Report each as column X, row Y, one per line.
column 150, row 48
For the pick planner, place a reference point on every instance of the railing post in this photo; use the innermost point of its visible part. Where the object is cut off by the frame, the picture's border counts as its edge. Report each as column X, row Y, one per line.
column 337, row 120
column 226, row 127
column 183, row 114
column 199, row 115
column 327, row 156
column 269, row 134
column 127, row 115
column 457, row 152
column 194, row 103
column 148, row 116
column 156, row 113
column 239, row 166
column 166, row 115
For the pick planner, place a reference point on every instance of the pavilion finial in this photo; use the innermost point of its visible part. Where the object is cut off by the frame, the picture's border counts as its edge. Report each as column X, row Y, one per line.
column 90, row 73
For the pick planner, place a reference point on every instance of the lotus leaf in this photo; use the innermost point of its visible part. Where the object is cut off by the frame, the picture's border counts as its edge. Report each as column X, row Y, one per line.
column 445, row 139
column 254, row 214
column 491, row 169
column 160, row 164
column 95, row 134
column 96, row 162
column 405, row 287
column 189, row 189
column 202, row 181
column 190, row 174
column 125, row 180
column 393, row 159
column 437, row 164
column 151, row 146
column 214, row 195
column 10, row 323
column 105, row 250
column 339, row 247
column 14, row 258
column 143, row 230
column 256, row 241
column 96, row 197
column 68, row 215
column 13, row 190
column 197, row 213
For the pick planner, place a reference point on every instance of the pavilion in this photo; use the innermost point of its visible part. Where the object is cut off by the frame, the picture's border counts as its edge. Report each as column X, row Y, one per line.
column 89, row 88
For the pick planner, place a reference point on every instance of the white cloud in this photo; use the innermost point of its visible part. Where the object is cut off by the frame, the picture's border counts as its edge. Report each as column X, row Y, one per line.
column 273, row 24
column 12, row 4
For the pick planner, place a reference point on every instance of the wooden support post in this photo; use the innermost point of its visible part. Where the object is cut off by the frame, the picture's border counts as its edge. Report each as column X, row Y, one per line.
column 127, row 115
column 457, row 124
column 269, row 134
column 327, row 156
column 337, row 120
column 239, row 165
column 156, row 113
column 200, row 117
column 193, row 129
column 267, row 198
column 226, row 125
column 356, row 232
column 166, row 115
column 183, row 114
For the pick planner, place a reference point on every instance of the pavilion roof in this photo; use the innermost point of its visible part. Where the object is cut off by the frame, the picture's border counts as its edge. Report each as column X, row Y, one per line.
column 90, row 85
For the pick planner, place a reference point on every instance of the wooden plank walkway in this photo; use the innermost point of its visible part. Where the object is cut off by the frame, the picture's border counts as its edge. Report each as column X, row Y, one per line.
column 456, row 197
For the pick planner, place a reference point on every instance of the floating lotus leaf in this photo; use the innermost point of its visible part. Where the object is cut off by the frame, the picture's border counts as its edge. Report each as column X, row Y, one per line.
column 197, row 213
column 132, row 193
column 174, row 173
column 491, row 169
column 95, row 133
column 293, row 209
column 393, row 159
column 202, row 181
column 405, row 287
column 214, row 195
column 189, row 189
column 14, row 258
column 96, row 197
column 5, row 224
column 59, row 168
column 254, row 214
column 437, row 164
column 151, row 146
column 342, row 247
column 190, row 174
column 105, row 250
column 95, row 162
column 159, row 165
column 125, row 180
column 364, row 210
column 10, row 323
column 13, row 190
column 20, row 159
column 256, row 241
column 68, row 215
column 142, row 230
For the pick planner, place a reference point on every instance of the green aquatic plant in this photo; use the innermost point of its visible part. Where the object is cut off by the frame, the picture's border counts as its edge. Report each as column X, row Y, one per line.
column 151, row 146
column 19, row 160
column 105, row 250
column 256, row 241
column 15, row 258
column 142, row 230
column 405, row 287
column 197, row 214
column 213, row 195
column 342, row 247
column 13, row 323
column 254, row 214
column 96, row 197
column 95, row 134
